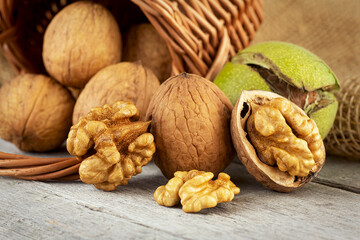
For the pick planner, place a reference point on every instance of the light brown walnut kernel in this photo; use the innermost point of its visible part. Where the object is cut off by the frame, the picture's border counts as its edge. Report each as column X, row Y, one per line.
column 112, row 145
column 284, row 137
column 123, row 81
column 196, row 190
column 276, row 141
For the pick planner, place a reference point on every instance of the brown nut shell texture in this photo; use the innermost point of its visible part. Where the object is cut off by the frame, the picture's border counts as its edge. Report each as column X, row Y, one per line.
column 276, row 141
column 190, row 118
column 124, row 81
column 112, row 145
column 35, row 112
column 80, row 40
column 197, row 190
column 143, row 43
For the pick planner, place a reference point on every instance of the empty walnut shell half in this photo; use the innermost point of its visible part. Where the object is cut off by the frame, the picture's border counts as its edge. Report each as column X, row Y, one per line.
column 276, row 141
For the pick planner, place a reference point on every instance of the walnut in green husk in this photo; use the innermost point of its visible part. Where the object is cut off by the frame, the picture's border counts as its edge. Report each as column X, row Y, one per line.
column 286, row 69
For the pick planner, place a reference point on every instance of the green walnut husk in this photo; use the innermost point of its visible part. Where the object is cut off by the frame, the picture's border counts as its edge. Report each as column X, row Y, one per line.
column 288, row 70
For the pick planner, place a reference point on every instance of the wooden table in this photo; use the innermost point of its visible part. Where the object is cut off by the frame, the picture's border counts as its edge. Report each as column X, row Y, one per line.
column 328, row 208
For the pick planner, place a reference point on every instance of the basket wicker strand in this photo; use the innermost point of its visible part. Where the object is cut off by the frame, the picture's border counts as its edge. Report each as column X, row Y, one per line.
column 344, row 137
column 201, row 35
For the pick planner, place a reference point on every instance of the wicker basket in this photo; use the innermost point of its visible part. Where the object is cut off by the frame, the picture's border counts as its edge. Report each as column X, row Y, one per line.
column 201, row 35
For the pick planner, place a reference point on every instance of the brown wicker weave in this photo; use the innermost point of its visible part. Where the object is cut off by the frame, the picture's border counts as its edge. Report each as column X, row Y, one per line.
column 201, row 36
column 33, row 168
column 344, row 137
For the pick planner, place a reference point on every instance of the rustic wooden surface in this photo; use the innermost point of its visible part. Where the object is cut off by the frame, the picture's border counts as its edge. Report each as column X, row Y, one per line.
column 327, row 208
column 73, row 210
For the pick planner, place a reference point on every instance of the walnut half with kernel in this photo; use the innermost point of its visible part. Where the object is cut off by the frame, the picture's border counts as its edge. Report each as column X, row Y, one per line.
column 276, row 141
column 196, row 190
column 112, row 145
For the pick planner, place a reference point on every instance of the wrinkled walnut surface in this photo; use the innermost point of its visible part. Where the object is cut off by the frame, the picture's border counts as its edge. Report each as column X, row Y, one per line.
column 112, row 145
column 35, row 112
column 124, row 81
column 276, row 141
column 190, row 122
column 143, row 43
column 196, row 190
column 284, row 137
column 80, row 40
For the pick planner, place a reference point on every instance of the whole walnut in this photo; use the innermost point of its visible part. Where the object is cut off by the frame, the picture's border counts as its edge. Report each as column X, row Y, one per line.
column 124, row 81
column 142, row 42
column 35, row 112
column 80, row 40
column 190, row 121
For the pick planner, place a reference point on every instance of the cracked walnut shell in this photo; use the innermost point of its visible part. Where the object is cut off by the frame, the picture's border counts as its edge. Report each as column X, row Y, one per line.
column 276, row 141
column 112, row 145
column 190, row 120
column 35, row 112
column 197, row 190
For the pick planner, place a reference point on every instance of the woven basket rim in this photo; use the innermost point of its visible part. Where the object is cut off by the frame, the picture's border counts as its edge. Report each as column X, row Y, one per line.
column 201, row 35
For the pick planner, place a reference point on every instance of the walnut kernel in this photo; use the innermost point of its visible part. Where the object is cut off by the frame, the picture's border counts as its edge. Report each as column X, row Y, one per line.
column 196, row 190
column 276, row 141
column 271, row 127
column 112, row 145
column 123, row 81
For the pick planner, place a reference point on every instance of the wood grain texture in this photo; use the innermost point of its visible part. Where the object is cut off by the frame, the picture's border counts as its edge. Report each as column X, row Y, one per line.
column 74, row 210
column 340, row 173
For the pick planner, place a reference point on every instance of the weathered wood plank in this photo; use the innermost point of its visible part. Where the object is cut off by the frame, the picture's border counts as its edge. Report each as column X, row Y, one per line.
column 59, row 210
column 340, row 173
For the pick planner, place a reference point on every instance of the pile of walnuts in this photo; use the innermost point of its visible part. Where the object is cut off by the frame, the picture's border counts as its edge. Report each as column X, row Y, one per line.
column 88, row 64
column 119, row 111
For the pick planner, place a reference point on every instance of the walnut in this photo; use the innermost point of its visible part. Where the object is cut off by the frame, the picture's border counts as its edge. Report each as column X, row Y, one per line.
column 142, row 42
column 112, row 145
column 123, row 81
column 196, row 190
column 80, row 40
column 276, row 141
column 35, row 112
column 190, row 122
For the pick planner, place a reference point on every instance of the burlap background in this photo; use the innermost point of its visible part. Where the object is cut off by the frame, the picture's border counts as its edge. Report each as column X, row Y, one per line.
column 328, row 28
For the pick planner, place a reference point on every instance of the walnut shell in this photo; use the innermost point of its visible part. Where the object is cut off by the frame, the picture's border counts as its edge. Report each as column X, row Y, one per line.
column 80, row 40
column 124, row 81
column 270, row 176
column 191, row 125
column 35, row 112
column 143, row 43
